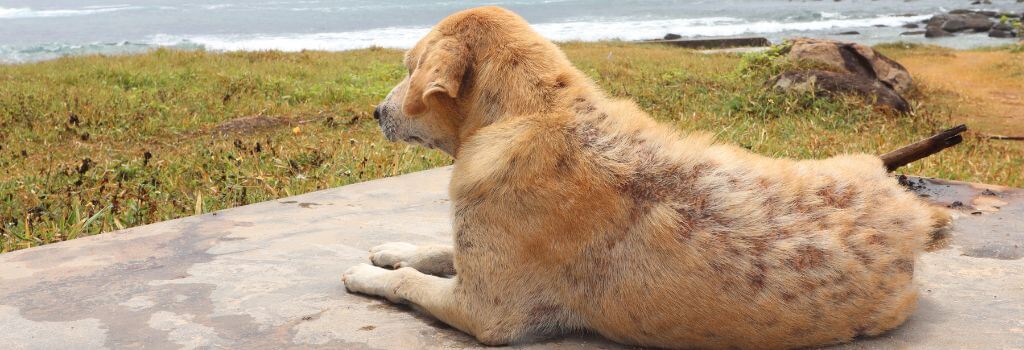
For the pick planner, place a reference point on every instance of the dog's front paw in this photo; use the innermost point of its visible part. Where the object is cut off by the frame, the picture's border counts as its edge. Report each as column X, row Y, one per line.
column 394, row 254
column 372, row 280
column 430, row 259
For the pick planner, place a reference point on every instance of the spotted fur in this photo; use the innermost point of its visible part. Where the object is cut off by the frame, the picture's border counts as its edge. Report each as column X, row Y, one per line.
column 575, row 211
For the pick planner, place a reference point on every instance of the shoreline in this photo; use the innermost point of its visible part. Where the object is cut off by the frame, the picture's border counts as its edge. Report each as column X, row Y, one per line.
column 866, row 30
column 953, row 43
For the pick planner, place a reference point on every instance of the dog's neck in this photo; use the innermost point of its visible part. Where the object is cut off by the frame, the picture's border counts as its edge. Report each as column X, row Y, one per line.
column 516, row 98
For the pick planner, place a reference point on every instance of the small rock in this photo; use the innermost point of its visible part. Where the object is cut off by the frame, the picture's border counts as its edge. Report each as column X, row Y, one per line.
column 911, row 26
column 1003, row 26
column 671, row 36
column 996, row 33
column 852, row 32
column 913, row 32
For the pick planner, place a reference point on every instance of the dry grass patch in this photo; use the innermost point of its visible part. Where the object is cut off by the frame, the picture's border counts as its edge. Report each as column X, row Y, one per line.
column 93, row 144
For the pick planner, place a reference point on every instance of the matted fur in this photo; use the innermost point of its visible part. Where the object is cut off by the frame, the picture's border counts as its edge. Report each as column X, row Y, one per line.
column 574, row 211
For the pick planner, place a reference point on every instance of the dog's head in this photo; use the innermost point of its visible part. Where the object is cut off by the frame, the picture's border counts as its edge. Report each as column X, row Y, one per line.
column 422, row 108
column 473, row 67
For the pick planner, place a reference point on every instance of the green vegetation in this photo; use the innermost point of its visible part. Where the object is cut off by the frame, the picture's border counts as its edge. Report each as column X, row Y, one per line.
column 93, row 144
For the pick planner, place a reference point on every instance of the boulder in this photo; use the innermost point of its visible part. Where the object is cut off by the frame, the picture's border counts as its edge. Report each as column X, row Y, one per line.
column 671, row 36
column 957, row 22
column 934, row 30
column 828, row 83
column 852, row 58
column 1001, row 34
column 969, row 11
column 1003, row 30
column 998, row 33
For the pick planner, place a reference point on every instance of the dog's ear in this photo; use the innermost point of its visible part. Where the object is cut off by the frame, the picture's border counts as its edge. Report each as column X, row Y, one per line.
column 440, row 70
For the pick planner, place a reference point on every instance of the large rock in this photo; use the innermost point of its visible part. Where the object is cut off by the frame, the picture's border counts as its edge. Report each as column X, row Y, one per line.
column 962, row 21
column 934, row 30
column 827, row 82
column 852, row 58
column 975, row 22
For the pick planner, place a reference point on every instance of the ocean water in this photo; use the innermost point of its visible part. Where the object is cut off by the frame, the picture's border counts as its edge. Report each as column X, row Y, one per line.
column 32, row 30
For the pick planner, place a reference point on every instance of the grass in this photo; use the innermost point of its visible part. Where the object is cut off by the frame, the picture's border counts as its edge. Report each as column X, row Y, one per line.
column 93, row 144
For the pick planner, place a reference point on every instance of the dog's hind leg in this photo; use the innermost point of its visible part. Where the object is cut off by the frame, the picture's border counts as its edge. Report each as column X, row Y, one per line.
column 429, row 259
column 442, row 298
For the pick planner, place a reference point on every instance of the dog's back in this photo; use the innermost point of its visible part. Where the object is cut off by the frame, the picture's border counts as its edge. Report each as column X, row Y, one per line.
column 674, row 240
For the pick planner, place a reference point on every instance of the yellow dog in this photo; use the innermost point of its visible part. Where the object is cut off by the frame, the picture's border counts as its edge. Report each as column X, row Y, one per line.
column 573, row 211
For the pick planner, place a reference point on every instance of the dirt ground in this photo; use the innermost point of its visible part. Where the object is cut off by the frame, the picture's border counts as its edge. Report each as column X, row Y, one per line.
column 990, row 86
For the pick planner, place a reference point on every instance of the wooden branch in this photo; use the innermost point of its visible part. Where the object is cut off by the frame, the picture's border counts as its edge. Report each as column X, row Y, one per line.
column 1002, row 137
column 929, row 146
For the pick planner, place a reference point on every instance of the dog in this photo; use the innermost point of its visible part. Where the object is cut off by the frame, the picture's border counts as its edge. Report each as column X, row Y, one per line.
column 573, row 211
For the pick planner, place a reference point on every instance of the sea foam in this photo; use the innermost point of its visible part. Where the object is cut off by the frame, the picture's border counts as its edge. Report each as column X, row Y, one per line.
column 405, row 37
column 26, row 12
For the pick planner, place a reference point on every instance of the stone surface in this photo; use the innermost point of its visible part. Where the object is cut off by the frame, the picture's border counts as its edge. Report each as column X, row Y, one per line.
column 830, row 82
column 968, row 21
column 852, row 58
column 710, row 43
column 266, row 276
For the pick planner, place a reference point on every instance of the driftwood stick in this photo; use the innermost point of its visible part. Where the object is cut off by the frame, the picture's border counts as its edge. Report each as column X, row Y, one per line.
column 1003, row 137
column 929, row 146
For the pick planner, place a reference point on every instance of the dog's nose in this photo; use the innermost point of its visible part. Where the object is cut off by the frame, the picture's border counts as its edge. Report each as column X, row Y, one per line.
column 376, row 113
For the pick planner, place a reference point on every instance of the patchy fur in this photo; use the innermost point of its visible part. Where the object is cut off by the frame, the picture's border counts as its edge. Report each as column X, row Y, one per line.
column 574, row 211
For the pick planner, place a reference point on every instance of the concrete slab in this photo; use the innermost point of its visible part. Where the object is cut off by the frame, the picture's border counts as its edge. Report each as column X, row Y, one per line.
column 266, row 276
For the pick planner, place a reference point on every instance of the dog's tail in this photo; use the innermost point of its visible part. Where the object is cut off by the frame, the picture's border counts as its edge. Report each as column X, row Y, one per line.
column 929, row 146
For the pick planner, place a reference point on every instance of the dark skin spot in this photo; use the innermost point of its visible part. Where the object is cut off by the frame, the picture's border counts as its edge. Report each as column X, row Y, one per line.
column 876, row 239
column 835, row 198
column 863, row 257
column 491, row 102
column 758, row 276
column 862, row 330
column 512, row 161
column 903, row 265
column 562, row 165
column 716, row 266
column 583, row 106
column 808, row 257
column 561, row 82
column 734, row 251
column 463, row 241
column 685, row 223
column 808, row 286
column 759, row 247
column 587, row 134
column 542, row 311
